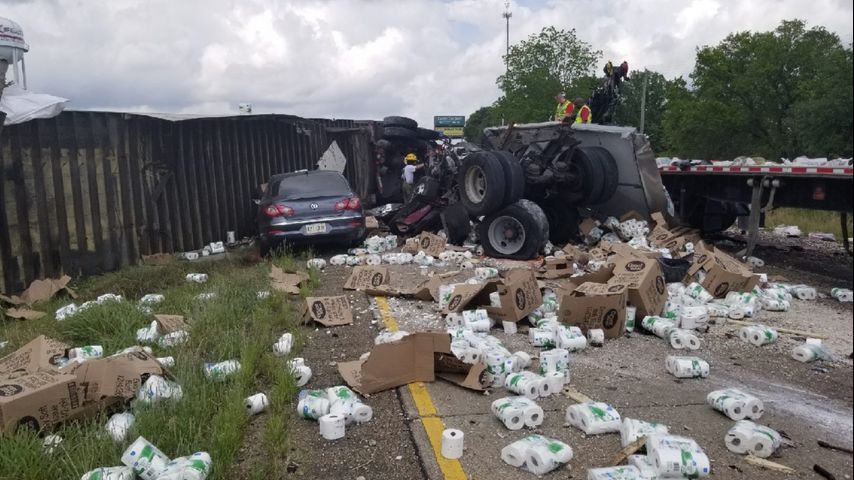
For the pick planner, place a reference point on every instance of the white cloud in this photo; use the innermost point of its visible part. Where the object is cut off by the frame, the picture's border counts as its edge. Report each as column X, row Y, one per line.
column 349, row 58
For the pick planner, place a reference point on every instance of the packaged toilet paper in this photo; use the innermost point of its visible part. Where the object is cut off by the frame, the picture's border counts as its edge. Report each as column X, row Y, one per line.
column 747, row 437
column 631, row 430
column 517, row 412
column 810, row 352
column 677, row 457
column 527, row 384
column 687, row 367
column 537, row 454
column 736, row 404
column 625, row 472
column 118, row 426
column 644, row 464
column 593, row 418
column 313, row 404
column 345, row 402
column 758, row 335
column 195, row 467
column 145, row 459
column 681, row 339
column 110, row 473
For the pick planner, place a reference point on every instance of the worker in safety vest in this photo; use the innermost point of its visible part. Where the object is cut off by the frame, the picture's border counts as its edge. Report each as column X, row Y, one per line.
column 408, row 175
column 564, row 109
column 585, row 115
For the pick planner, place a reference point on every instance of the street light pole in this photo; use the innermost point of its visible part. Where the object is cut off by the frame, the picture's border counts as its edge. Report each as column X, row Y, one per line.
column 507, row 14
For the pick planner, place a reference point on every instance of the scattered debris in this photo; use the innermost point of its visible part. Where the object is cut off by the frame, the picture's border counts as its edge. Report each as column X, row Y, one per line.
column 746, row 437
column 256, row 404
column 453, row 443
column 768, row 465
column 736, row 404
column 537, row 454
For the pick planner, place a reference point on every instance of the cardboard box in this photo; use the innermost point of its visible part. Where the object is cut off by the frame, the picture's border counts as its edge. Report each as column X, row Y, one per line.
column 38, row 400
column 41, row 290
column 170, row 323
column 329, row 311
column 419, row 357
column 724, row 273
column 427, row 290
column 595, row 305
column 40, row 354
column 645, row 282
column 519, row 292
column 288, row 282
column 118, row 376
column 365, row 277
column 554, row 268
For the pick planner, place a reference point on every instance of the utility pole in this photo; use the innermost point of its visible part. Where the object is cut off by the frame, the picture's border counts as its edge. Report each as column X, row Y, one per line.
column 507, row 14
column 643, row 101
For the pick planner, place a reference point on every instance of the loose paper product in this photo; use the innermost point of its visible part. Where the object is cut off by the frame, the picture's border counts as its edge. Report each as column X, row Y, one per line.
column 736, row 404
column 256, row 404
column 537, row 454
column 119, row 425
column 809, row 352
column 145, row 459
column 625, row 472
column 110, row 473
column 313, row 404
column 748, row 437
column 332, row 426
column 453, row 443
column 517, row 412
column 677, row 457
column 758, row 335
column 687, row 367
column 345, row 402
column 631, row 430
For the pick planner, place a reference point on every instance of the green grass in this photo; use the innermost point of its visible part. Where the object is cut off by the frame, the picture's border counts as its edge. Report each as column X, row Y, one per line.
column 211, row 416
column 808, row 221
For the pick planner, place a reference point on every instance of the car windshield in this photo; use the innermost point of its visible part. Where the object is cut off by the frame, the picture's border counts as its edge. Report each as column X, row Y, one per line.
column 311, row 185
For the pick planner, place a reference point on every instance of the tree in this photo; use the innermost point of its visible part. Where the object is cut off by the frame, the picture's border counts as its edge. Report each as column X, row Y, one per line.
column 782, row 93
column 481, row 118
column 658, row 91
column 538, row 68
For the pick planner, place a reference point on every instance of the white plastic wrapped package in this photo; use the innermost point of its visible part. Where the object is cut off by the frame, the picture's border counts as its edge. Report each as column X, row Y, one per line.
column 758, row 335
column 537, row 454
column 687, row 367
column 736, row 404
column 517, row 412
column 631, row 430
column 677, row 457
column 746, row 437
column 594, row 418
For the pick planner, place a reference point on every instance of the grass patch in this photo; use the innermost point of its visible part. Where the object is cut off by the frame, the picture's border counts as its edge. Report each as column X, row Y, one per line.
column 235, row 324
column 809, row 221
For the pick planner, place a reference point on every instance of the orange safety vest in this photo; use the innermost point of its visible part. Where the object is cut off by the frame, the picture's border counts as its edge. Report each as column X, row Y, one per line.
column 589, row 115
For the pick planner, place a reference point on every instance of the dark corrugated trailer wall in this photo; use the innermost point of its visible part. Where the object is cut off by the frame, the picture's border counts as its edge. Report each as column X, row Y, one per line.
column 89, row 192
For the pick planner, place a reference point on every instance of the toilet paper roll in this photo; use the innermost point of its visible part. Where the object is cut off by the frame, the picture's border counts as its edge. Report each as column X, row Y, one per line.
column 557, row 380
column 687, row 367
column 540, row 460
column 596, row 337
column 540, row 337
column 167, row 362
column 805, row 293
column 594, row 418
column 332, row 426
column 764, row 442
column 110, row 473
column 533, row 415
column 754, row 407
column 759, row 335
column 735, row 312
column 631, row 315
column 510, row 328
column 569, row 341
column 514, row 454
column 119, row 425
column 631, row 430
column 374, row 260
column 677, row 457
column 146, row 460
column 509, row 412
column 313, row 404
column 544, row 387
column 522, row 359
column 453, row 443
column 523, row 383
column 736, row 404
column 737, row 439
column 256, row 404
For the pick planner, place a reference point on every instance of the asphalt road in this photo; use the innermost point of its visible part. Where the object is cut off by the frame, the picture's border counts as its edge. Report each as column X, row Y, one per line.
column 806, row 402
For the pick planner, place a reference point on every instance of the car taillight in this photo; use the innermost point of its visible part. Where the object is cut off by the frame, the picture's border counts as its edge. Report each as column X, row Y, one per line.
column 352, row 203
column 278, row 210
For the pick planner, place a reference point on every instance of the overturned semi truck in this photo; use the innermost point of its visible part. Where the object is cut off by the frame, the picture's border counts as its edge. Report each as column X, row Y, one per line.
column 532, row 183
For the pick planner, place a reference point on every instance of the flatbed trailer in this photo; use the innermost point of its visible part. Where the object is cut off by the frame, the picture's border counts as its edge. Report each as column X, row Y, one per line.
column 711, row 197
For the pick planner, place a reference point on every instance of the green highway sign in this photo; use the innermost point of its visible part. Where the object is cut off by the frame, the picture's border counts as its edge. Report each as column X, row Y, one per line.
column 449, row 121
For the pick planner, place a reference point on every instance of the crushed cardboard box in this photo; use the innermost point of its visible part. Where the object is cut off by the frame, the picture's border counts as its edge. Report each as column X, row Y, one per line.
column 24, row 314
column 288, row 282
column 427, row 290
column 35, row 393
column 40, row 291
column 426, row 242
column 595, row 305
column 170, row 323
column 329, row 311
column 724, row 273
column 366, row 277
column 519, row 292
column 419, row 357
column 554, row 268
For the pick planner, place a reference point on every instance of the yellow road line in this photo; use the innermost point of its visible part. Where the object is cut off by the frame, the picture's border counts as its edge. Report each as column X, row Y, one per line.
column 433, row 425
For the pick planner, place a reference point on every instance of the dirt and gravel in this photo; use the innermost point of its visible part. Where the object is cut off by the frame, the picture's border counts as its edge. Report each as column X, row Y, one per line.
column 805, row 402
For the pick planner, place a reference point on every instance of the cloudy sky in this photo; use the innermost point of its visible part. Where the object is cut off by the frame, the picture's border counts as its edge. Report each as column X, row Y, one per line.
column 351, row 58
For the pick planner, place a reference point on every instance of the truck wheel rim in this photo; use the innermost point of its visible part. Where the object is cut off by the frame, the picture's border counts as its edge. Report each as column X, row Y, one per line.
column 475, row 184
column 506, row 235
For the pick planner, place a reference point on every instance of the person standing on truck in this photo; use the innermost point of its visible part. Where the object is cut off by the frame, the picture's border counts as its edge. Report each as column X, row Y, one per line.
column 564, row 109
column 585, row 115
column 408, row 175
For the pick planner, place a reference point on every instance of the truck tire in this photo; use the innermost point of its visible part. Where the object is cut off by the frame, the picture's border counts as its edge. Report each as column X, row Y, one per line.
column 398, row 132
column 596, row 177
column 482, row 184
column 513, row 176
column 563, row 221
column 518, row 231
column 404, row 122
column 455, row 220
column 427, row 134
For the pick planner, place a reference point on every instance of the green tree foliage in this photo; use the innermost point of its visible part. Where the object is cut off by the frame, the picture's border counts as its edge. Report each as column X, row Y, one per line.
column 481, row 118
column 539, row 67
column 782, row 93
column 658, row 91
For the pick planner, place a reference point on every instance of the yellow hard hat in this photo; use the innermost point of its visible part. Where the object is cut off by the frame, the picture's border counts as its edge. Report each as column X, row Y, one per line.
column 411, row 158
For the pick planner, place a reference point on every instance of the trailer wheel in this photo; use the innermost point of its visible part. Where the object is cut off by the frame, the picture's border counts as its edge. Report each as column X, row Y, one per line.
column 518, row 231
column 596, row 177
column 455, row 220
column 563, row 221
column 427, row 134
column 482, row 184
column 399, row 132
column 404, row 122
column 513, row 176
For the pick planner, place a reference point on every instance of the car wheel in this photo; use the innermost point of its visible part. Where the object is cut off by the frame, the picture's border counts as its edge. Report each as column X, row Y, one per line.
column 563, row 221
column 398, row 132
column 513, row 176
column 455, row 221
column 518, row 231
column 482, row 184
column 404, row 122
